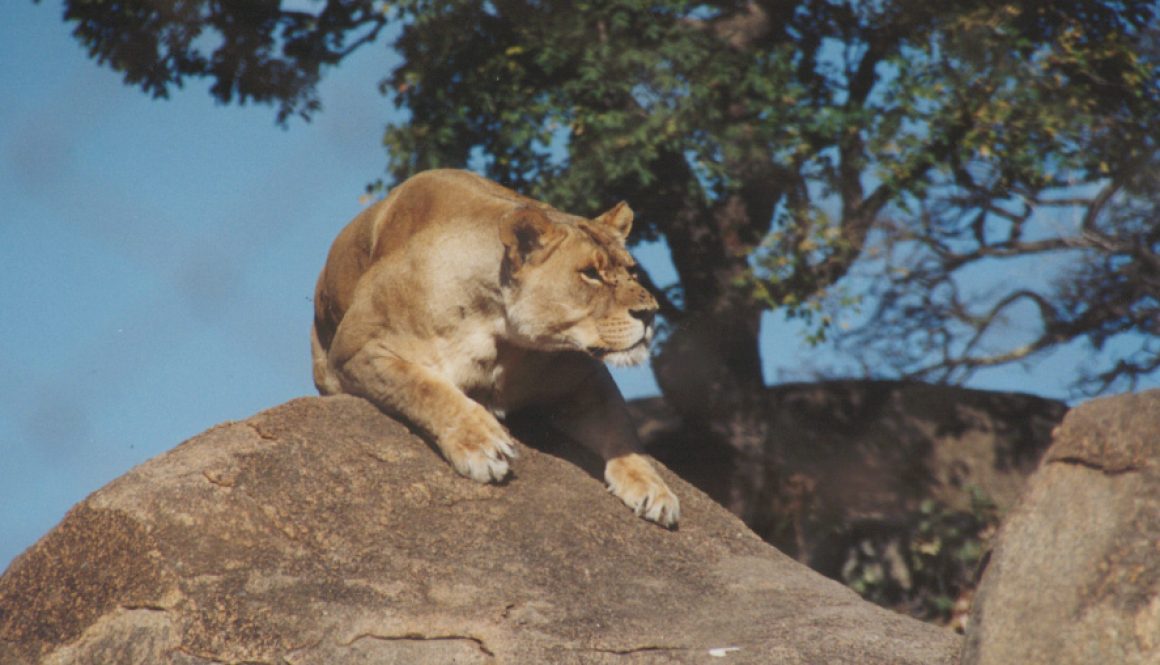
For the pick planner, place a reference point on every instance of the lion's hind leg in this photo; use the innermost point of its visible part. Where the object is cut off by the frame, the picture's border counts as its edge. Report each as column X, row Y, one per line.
column 593, row 414
column 324, row 378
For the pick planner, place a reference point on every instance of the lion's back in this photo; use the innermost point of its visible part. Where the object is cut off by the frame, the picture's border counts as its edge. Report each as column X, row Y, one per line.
column 435, row 221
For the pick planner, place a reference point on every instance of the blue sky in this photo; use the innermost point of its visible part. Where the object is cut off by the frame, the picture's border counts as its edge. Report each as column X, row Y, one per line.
column 159, row 258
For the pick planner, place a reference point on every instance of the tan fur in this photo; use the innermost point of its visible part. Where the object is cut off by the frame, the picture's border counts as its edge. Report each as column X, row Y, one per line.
column 455, row 299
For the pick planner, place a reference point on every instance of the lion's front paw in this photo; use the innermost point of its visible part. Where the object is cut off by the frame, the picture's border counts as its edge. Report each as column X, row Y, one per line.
column 479, row 448
column 637, row 483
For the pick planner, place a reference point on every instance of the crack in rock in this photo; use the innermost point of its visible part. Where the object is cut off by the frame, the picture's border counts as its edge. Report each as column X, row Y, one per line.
column 221, row 479
column 628, row 651
column 262, row 434
column 1094, row 466
column 143, row 606
column 417, row 637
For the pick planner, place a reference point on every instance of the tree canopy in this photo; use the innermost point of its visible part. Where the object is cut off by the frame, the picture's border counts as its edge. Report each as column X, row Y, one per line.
column 988, row 169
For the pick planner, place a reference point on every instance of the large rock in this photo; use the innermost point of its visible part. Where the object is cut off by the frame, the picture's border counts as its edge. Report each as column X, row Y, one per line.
column 1075, row 574
column 323, row 532
column 872, row 450
column 863, row 475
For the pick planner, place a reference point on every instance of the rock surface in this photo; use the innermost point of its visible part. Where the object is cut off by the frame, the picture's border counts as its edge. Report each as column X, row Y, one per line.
column 1075, row 574
column 323, row 532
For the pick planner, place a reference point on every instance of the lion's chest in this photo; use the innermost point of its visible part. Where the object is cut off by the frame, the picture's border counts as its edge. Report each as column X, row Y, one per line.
column 469, row 358
column 498, row 375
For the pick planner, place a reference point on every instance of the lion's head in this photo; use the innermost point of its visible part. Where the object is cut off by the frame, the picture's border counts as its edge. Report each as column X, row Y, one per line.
column 570, row 284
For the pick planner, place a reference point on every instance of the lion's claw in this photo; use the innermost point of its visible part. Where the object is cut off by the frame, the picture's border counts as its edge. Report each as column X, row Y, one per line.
column 640, row 487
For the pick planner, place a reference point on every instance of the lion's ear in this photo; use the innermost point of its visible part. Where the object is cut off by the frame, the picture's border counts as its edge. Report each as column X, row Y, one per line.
column 524, row 233
column 618, row 219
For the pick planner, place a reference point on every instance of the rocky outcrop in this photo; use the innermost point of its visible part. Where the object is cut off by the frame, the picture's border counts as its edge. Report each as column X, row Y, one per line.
column 323, row 532
column 1075, row 574
column 873, row 450
column 863, row 477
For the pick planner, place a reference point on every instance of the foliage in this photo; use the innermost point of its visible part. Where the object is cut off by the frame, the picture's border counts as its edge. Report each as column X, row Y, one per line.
column 929, row 563
column 252, row 50
column 774, row 145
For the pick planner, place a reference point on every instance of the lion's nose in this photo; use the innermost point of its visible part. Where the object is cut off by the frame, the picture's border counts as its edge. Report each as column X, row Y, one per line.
column 646, row 316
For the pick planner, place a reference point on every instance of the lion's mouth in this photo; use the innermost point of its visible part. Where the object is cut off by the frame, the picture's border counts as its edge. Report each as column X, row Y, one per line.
column 598, row 352
column 601, row 351
column 632, row 355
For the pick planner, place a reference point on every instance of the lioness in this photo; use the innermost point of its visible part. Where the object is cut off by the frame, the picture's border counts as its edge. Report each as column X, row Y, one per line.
column 455, row 298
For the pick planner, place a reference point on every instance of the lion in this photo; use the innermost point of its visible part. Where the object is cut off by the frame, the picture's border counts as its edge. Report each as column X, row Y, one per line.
column 455, row 301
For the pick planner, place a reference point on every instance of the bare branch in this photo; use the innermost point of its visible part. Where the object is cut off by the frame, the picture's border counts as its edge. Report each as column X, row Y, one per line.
column 1096, row 207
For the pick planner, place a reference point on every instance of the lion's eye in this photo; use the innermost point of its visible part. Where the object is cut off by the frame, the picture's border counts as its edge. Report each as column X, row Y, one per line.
column 591, row 273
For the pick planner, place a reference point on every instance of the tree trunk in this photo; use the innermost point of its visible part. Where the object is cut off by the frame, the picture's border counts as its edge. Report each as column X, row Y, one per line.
column 709, row 365
column 708, row 369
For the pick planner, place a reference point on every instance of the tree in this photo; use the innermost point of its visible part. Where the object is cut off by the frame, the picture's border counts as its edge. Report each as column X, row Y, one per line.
column 774, row 145
column 1057, row 174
